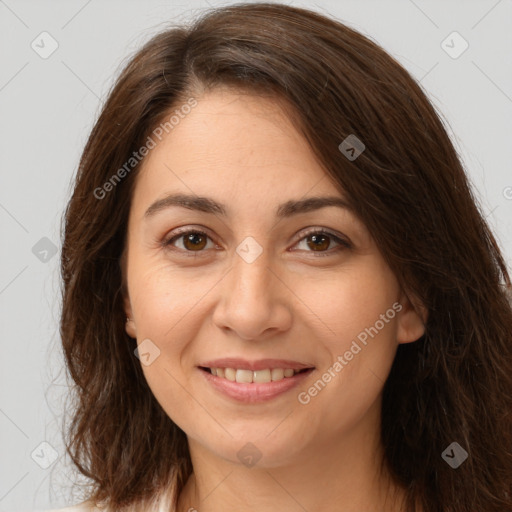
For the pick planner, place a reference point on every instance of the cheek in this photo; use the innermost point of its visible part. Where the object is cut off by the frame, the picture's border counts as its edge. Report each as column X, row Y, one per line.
column 335, row 308
column 167, row 310
column 342, row 303
column 351, row 383
column 165, row 298
column 358, row 331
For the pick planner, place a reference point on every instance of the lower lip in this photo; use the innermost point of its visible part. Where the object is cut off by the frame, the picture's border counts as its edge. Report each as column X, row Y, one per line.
column 255, row 392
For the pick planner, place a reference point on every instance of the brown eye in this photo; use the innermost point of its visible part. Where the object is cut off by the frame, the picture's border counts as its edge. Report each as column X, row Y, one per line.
column 320, row 242
column 192, row 241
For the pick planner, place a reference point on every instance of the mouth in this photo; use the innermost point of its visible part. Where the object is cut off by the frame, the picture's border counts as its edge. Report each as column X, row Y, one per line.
column 254, row 376
column 255, row 382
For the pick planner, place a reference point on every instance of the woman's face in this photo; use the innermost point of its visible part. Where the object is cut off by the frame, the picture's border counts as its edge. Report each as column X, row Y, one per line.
column 255, row 280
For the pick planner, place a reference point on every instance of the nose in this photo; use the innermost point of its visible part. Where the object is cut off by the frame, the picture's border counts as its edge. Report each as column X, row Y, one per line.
column 255, row 301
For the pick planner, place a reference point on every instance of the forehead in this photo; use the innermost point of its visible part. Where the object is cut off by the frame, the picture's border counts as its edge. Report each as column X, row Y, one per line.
column 238, row 145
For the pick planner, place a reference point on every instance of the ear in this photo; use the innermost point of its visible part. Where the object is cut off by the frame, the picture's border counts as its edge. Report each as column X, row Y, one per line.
column 411, row 319
column 127, row 305
column 130, row 328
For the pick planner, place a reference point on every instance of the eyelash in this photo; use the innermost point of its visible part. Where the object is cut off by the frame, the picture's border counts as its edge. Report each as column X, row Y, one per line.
column 343, row 244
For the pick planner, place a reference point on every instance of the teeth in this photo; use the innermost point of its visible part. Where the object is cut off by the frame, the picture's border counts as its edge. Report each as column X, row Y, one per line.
column 249, row 376
column 277, row 374
column 244, row 376
column 261, row 376
column 229, row 374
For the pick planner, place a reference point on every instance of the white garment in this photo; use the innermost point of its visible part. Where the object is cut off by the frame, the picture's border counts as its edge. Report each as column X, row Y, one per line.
column 88, row 506
column 85, row 506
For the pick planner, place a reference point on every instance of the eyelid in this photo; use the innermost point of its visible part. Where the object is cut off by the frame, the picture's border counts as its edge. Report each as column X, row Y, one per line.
column 338, row 237
column 341, row 240
column 177, row 233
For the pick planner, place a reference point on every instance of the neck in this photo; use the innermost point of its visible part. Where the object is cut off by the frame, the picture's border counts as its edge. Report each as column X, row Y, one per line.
column 340, row 474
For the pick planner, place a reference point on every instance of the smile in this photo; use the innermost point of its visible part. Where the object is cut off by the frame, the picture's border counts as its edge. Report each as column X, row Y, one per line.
column 246, row 388
column 249, row 376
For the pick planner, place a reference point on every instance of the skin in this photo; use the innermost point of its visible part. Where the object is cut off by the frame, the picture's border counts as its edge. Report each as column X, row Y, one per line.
column 292, row 302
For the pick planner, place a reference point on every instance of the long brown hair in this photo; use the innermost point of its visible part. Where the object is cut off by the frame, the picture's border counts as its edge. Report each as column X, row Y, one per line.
column 408, row 187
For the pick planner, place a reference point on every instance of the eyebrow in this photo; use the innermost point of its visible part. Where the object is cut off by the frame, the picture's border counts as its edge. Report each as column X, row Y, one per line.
column 208, row 205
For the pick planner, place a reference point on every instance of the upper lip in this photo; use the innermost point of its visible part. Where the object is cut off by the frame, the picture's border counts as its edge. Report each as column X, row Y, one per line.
column 260, row 364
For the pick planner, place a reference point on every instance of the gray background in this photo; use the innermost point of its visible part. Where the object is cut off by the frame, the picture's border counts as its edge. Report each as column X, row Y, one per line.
column 48, row 107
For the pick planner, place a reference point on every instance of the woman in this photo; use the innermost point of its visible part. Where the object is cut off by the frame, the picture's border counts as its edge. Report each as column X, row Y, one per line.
column 279, row 292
